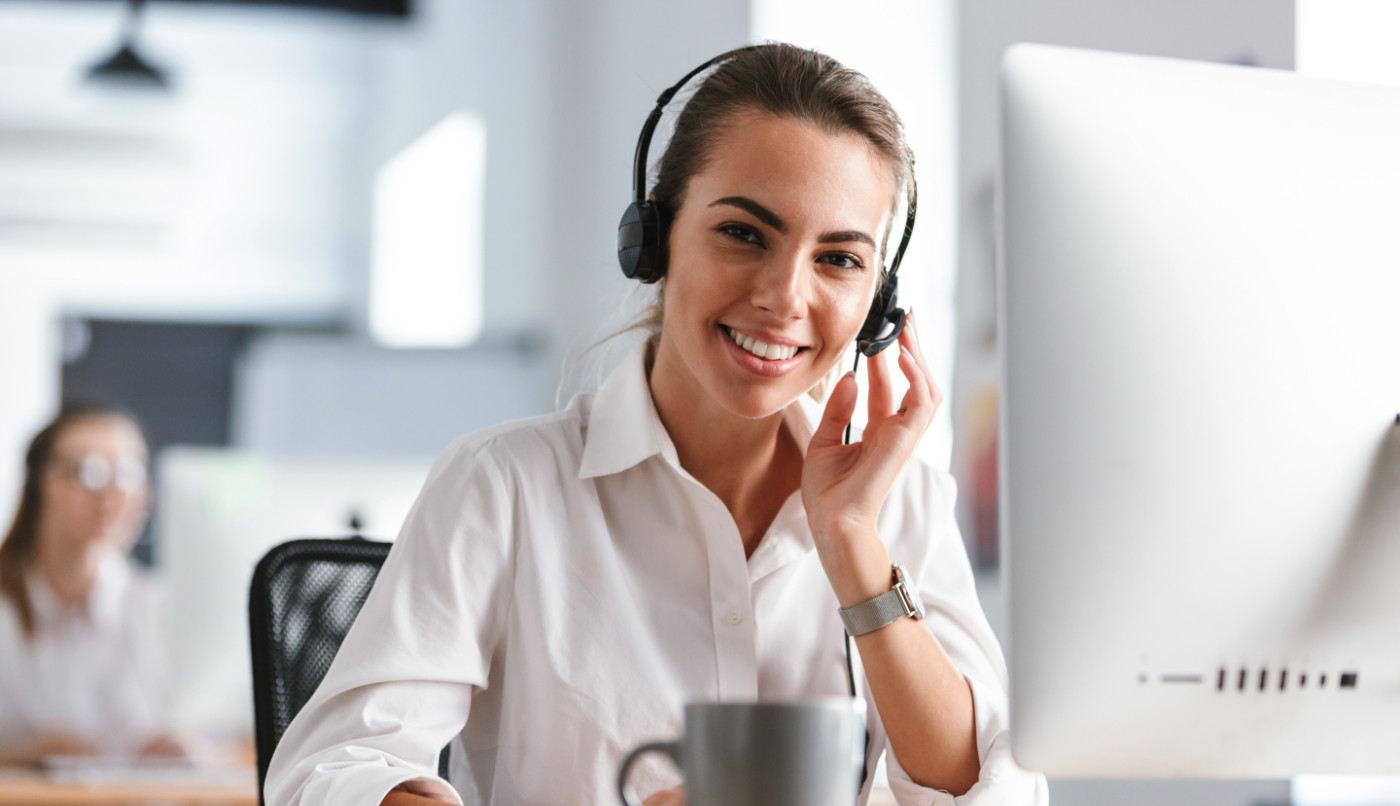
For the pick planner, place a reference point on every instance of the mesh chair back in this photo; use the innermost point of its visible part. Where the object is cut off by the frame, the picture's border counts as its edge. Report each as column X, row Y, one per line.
column 304, row 596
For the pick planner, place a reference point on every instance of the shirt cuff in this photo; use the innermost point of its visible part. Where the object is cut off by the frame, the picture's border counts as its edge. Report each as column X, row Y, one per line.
column 367, row 785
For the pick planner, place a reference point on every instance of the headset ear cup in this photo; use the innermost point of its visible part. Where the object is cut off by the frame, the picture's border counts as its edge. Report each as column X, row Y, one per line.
column 641, row 242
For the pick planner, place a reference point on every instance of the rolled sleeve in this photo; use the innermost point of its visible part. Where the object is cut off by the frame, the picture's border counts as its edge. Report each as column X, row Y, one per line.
column 401, row 685
column 1000, row 782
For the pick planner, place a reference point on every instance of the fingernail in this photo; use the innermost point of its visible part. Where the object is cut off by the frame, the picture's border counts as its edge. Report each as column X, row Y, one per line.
column 906, row 352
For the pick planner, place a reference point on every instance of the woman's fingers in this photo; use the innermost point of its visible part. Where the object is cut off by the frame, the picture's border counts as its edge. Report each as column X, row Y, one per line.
column 917, row 405
column 667, row 797
column 880, row 399
column 839, row 408
column 935, row 394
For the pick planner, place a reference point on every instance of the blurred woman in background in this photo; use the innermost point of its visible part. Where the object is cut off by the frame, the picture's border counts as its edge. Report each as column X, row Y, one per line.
column 81, row 665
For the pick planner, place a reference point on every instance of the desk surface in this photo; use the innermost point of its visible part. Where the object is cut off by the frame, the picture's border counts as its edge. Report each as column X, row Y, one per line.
column 34, row 788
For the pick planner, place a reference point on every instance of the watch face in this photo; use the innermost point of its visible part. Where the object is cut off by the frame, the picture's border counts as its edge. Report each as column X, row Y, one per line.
column 907, row 595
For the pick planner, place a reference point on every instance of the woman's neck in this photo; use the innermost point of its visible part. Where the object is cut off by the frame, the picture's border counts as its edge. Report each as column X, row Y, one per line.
column 751, row 465
column 71, row 572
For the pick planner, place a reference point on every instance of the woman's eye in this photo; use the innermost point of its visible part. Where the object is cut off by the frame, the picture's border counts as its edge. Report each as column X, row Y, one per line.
column 739, row 232
column 842, row 260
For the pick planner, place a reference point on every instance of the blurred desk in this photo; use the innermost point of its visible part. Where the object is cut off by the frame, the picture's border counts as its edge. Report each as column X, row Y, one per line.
column 19, row 787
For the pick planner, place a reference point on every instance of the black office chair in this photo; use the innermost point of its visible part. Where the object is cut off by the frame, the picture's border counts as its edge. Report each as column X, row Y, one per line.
column 304, row 596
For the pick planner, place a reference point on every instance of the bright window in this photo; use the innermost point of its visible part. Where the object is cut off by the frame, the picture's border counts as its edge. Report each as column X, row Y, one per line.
column 425, row 272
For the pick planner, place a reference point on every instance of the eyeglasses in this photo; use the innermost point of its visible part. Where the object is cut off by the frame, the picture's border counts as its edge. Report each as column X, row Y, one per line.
column 96, row 473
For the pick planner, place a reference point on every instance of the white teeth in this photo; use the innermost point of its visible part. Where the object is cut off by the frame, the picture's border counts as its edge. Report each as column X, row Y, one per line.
column 768, row 352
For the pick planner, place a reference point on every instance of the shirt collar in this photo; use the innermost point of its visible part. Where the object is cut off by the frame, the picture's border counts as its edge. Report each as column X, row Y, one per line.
column 103, row 605
column 624, row 429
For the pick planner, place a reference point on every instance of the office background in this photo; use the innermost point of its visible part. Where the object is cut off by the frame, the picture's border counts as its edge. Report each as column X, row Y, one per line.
column 206, row 253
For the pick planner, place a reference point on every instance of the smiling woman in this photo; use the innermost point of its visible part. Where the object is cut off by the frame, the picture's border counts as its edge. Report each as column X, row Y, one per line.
column 697, row 530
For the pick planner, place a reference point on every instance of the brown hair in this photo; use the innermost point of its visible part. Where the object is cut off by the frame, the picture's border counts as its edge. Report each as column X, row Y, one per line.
column 782, row 80
column 21, row 541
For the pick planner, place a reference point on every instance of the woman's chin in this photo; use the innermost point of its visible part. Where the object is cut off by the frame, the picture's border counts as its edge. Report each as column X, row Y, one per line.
column 758, row 404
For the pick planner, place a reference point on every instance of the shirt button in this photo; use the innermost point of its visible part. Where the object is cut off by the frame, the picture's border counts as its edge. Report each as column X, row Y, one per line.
column 735, row 617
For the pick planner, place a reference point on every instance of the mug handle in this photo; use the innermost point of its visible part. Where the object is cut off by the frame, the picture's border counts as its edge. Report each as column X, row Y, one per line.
column 624, row 789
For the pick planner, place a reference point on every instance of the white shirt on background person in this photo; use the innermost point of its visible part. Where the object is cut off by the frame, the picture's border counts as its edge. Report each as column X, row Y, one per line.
column 563, row 586
column 95, row 672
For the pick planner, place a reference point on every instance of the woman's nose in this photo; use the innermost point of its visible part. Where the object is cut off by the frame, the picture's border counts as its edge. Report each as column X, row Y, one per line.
column 110, row 498
column 780, row 287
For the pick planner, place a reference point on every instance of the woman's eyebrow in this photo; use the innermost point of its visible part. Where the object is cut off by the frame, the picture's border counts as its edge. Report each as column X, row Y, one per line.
column 771, row 218
column 754, row 209
column 848, row 236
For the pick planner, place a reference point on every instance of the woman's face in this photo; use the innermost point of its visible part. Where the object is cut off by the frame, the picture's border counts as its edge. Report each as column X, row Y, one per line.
column 94, row 489
column 774, row 244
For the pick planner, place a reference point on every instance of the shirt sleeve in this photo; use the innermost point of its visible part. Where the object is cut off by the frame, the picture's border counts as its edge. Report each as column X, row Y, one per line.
column 925, row 538
column 401, row 684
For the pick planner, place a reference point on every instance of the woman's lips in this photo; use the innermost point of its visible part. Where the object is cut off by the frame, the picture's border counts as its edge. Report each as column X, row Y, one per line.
column 766, row 367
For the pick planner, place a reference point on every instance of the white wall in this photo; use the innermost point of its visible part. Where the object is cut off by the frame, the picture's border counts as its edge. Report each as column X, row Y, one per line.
column 225, row 199
column 1257, row 31
column 243, row 195
column 328, row 396
column 497, row 60
column 613, row 58
column 29, row 366
column 1260, row 32
column 563, row 88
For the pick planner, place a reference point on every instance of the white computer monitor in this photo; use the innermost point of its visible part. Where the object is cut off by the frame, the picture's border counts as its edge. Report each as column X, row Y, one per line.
column 218, row 511
column 1200, row 454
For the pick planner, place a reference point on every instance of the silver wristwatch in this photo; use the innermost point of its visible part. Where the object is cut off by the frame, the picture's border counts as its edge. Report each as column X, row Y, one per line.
column 884, row 609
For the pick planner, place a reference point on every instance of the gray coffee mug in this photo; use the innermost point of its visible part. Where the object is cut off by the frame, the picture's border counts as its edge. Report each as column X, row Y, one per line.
column 808, row 753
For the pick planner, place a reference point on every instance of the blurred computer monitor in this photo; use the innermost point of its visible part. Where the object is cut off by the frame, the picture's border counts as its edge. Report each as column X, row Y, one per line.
column 218, row 512
column 1200, row 455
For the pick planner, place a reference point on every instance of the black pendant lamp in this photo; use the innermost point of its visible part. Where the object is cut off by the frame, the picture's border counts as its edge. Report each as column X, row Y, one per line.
column 126, row 66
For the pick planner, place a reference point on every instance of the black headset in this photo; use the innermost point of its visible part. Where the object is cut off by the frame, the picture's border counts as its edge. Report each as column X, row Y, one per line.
column 642, row 233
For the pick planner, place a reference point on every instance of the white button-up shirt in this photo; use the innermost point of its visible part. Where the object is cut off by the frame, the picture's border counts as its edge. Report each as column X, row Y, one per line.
column 94, row 672
column 563, row 586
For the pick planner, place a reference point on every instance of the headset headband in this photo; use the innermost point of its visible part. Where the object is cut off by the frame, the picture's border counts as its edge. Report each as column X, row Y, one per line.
column 639, row 160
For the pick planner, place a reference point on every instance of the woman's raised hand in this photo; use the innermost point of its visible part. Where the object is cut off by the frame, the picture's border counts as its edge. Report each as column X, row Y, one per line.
column 843, row 486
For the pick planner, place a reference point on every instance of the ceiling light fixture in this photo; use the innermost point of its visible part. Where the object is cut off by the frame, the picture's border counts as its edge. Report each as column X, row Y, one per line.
column 126, row 66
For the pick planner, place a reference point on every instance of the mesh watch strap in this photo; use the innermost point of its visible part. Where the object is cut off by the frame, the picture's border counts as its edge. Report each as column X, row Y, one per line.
column 884, row 609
